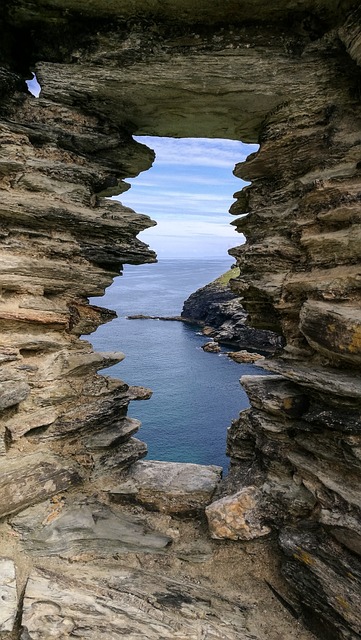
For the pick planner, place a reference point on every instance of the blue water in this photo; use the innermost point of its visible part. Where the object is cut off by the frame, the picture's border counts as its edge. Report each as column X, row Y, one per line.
column 195, row 394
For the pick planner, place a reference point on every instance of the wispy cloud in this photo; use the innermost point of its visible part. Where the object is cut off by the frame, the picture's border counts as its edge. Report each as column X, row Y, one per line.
column 172, row 202
column 193, row 226
column 198, row 151
column 172, row 239
column 188, row 191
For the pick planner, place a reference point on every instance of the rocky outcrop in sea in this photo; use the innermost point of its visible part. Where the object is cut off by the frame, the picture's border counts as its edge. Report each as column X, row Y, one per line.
column 216, row 307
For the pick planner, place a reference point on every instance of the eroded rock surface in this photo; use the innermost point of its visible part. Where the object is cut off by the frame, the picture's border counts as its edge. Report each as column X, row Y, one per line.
column 84, row 528
column 237, row 517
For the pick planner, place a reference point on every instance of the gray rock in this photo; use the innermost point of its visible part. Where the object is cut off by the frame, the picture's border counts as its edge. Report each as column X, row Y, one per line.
column 275, row 395
column 92, row 603
column 13, row 387
column 170, row 487
column 93, row 529
column 8, row 595
column 324, row 379
column 112, row 436
column 216, row 306
column 110, row 462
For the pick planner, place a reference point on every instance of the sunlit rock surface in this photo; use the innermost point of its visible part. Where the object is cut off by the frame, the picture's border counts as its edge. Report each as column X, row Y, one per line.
column 286, row 75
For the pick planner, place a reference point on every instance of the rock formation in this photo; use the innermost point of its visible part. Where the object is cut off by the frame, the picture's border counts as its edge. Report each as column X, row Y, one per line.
column 284, row 74
column 220, row 311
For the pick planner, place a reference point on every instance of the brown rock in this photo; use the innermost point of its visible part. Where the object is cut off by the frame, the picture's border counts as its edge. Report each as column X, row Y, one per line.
column 333, row 329
column 237, row 517
column 244, row 356
column 31, row 478
column 211, row 347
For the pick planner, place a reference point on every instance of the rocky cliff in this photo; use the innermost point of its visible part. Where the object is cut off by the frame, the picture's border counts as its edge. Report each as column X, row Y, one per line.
column 286, row 75
column 220, row 310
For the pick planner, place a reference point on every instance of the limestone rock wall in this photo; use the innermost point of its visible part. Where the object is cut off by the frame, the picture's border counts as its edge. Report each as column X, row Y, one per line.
column 286, row 76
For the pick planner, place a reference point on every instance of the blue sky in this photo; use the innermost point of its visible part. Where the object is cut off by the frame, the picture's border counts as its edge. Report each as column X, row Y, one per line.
column 188, row 191
column 33, row 86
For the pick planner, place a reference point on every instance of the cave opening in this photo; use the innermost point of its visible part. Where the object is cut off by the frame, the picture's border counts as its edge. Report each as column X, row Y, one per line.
column 196, row 394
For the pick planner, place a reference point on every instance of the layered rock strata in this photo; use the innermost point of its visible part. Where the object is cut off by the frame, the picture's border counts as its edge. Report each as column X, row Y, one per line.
column 300, row 272
column 61, row 243
column 286, row 75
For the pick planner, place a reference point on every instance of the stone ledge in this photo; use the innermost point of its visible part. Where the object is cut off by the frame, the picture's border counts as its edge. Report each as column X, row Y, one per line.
column 169, row 487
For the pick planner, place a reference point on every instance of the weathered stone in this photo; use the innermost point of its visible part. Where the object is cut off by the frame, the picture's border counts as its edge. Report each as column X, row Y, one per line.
column 112, row 436
column 336, row 477
column 324, row 379
column 237, row 517
column 104, row 403
column 170, row 487
column 244, row 356
column 127, row 603
column 13, row 388
column 334, row 330
column 241, row 439
column 70, row 530
column 320, row 414
column 116, row 459
column 8, row 595
column 275, row 395
column 328, row 576
column 31, row 478
column 211, row 347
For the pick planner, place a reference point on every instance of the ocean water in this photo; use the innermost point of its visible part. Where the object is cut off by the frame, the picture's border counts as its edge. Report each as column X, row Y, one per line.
column 195, row 394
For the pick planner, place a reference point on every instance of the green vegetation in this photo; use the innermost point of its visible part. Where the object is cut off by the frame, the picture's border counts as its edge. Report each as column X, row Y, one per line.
column 224, row 279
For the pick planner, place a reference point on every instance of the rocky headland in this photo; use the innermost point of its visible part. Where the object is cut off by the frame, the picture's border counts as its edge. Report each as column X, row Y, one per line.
column 81, row 553
column 217, row 309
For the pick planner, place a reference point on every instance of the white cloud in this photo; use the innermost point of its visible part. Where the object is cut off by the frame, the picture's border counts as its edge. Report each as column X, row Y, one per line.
column 175, row 239
column 198, row 151
column 189, row 191
column 178, row 227
column 168, row 203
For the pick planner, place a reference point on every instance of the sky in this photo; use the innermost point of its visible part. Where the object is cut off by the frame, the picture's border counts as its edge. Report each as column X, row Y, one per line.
column 188, row 191
column 33, row 86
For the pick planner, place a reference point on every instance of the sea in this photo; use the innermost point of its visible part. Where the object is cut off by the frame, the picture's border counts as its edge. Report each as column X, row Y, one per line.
column 195, row 394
